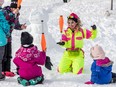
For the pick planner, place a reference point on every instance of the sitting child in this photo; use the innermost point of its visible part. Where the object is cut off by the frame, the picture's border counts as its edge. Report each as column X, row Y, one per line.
column 101, row 67
column 27, row 59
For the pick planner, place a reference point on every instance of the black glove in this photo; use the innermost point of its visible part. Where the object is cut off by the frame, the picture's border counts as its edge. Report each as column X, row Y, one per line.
column 61, row 43
column 94, row 27
column 48, row 63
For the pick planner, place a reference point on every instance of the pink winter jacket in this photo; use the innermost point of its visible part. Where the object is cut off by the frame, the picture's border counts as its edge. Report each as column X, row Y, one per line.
column 28, row 60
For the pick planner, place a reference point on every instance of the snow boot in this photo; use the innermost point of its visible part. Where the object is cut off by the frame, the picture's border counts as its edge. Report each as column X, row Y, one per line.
column 33, row 82
column 22, row 81
column 37, row 80
column 8, row 74
column 40, row 79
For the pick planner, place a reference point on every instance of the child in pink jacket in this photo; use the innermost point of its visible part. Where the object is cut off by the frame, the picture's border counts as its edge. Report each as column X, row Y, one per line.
column 28, row 60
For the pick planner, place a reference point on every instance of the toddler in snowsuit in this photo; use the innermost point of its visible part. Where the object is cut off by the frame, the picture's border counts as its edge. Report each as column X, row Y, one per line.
column 72, row 40
column 101, row 67
column 28, row 60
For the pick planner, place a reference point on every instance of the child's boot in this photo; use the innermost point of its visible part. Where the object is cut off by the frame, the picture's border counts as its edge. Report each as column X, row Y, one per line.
column 37, row 80
column 19, row 79
column 40, row 79
column 24, row 82
column 33, row 82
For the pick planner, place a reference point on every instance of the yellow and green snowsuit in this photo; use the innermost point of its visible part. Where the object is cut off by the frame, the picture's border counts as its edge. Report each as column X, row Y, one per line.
column 73, row 58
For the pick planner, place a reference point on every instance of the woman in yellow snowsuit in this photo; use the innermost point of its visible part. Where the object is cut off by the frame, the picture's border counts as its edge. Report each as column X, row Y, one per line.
column 72, row 39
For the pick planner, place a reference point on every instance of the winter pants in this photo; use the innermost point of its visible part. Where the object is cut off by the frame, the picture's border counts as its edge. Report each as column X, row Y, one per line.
column 6, row 64
column 1, row 58
column 72, row 61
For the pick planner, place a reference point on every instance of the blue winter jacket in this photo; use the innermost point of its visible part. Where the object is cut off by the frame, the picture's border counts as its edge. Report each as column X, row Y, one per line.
column 4, row 29
column 101, row 71
column 12, row 19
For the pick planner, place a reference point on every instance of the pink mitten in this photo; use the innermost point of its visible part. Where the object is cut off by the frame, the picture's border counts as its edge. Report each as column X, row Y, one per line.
column 89, row 82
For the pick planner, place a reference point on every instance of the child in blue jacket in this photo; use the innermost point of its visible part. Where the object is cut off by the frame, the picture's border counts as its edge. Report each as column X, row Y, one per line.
column 101, row 67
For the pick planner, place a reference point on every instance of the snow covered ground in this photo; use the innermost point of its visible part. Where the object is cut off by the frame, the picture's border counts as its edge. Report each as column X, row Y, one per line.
column 90, row 12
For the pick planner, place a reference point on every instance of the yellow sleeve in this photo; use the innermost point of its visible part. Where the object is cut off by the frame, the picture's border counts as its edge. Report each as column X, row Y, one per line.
column 94, row 34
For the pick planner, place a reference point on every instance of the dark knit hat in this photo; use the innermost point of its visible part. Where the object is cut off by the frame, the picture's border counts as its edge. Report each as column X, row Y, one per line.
column 13, row 5
column 74, row 17
column 26, row 38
